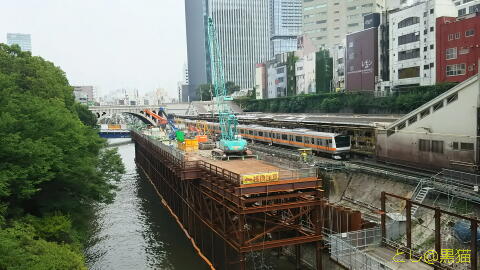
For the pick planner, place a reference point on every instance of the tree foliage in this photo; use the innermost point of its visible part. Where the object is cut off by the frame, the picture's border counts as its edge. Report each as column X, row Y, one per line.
column 291, row 78
column 323, row 70
column 347, row 102
column 52, row 161
column 206, row 91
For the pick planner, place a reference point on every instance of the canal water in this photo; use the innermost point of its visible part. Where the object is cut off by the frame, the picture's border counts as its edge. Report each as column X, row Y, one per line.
column 135, row 232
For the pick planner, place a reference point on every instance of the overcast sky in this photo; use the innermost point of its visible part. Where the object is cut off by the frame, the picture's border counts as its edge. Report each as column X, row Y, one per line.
column 110, row 44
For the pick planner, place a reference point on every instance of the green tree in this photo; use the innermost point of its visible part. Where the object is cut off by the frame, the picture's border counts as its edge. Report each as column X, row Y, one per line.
column 291, row 78
column 53, row 165
column 86, row 116
column 231, row 87
column 205, row 91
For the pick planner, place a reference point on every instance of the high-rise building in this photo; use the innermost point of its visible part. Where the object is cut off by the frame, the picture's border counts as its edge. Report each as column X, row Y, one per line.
column 286, row 25
column 197, row 48
column 243, row 34
column 327, row 22
column 22, row 40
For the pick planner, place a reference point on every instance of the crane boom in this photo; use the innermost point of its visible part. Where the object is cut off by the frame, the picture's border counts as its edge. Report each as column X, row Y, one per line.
column 230, row 141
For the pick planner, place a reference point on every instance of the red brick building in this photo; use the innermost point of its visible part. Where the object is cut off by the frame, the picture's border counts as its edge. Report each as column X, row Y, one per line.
column 458, row 47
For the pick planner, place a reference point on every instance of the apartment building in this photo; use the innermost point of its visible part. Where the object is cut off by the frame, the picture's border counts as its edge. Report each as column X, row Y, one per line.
column 327, row 22
column 458, row 45
column 412, row 42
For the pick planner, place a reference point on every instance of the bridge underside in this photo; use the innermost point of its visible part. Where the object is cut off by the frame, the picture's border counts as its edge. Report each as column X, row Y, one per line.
column 141, row 116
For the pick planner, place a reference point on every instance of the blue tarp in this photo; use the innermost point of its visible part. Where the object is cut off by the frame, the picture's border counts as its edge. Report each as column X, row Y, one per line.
column 462, row 232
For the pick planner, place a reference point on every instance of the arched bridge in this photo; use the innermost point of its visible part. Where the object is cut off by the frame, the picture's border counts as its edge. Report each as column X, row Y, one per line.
column 103, row 112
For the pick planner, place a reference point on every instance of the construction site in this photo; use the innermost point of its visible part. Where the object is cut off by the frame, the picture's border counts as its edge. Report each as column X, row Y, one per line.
column 294, row 195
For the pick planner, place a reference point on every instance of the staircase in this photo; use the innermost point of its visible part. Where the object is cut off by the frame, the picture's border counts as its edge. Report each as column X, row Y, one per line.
column 419, row 196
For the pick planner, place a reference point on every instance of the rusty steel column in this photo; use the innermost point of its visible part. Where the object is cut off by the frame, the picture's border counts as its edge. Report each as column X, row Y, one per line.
column 298, row 257
column 383, row 218
column 318, row 255
column 241, row 224
column 409, row 225
column 473, row 245
column 438, row 236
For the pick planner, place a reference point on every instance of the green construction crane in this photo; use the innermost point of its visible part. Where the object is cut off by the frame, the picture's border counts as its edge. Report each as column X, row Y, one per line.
column 230, row 142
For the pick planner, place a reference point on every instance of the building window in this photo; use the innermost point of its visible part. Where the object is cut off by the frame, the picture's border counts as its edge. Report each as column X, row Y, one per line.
column 457, row 35
column 470, row 33
column 411, row 72
column 408, row 38
column 408, row 21
column 451, row 53
column 473, row 9
column 438, row 106
column 426, row 66
column 451, row 37
column 455, row 70
column 412, row 120
column 464, row 51
column 437, row 147
column 455, row 146
column 431, row 47
column 466, row 146
column 431, row 29
column 424, row 113
column 431, row 11
column 408, row 54
column 462, row 12
column 424, row 145
column 452, row 98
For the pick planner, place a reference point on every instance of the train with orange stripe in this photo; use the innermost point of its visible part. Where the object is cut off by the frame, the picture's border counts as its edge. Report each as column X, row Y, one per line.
column 334, row 145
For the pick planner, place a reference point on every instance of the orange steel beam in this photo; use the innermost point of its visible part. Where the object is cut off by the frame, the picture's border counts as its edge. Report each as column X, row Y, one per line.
column 161, row 120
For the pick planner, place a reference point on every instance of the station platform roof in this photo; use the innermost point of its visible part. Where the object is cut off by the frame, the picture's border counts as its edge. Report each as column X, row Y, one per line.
column 371, row 120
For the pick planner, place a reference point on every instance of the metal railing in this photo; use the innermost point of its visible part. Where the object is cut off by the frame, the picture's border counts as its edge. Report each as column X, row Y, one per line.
column 348, row 249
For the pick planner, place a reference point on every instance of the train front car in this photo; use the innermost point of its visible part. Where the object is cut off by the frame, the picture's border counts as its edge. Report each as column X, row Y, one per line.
column 341, row 145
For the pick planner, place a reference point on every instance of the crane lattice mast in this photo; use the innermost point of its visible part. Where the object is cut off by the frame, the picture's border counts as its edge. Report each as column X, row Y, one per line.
column 228, row 121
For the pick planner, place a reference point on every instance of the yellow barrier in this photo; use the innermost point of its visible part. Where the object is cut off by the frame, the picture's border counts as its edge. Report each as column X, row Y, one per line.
column 260, row 178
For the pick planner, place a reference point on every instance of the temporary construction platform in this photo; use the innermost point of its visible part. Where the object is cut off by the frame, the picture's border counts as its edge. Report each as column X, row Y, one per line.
column 230, row 209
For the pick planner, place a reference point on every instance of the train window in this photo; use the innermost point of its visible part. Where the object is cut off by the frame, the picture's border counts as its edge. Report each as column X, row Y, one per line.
column 437, row 147
column 455, row 145
column 342, row 141
column 260, row 133
column 284, row 137
column 401, row 126
column 452, row 98
column 425, row 113
column 298, row 138
column 319, row 142
column 250, row 132
column 424, row 145
column 466, row 146
column 329, row 142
